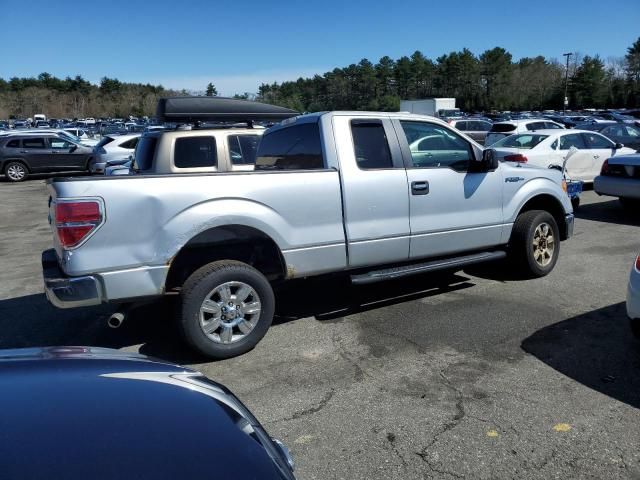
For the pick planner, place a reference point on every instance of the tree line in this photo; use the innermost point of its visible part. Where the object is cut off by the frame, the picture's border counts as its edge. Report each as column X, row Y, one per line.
column 77, row 98
column 490, row 81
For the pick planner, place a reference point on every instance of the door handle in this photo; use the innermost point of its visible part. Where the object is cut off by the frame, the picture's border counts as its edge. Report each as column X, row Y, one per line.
column 24, row 151
column 419, row 188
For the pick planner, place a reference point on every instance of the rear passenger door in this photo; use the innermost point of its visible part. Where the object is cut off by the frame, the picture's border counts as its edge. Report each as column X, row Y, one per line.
column 452, row 209
column 579, row 164
column 375, row 190
column 36, row 153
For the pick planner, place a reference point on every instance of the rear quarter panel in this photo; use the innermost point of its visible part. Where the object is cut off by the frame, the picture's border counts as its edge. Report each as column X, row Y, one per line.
column 149, row 219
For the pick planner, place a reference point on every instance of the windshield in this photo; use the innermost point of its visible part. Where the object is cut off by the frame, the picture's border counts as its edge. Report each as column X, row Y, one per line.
column 524, row 141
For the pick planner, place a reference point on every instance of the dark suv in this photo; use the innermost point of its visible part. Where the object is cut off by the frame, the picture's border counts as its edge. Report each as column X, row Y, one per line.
column 23, row 154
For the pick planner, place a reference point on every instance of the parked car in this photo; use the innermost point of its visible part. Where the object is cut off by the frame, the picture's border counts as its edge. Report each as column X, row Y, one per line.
column 22, row 154
column 500, row 130
column 544, row 148
column 476, row 129
column 376, row 195
column 615, row 117
column 112, row 148
column 633, row 298
column 620, row 177
column 86, row 412
column 627, row 134
column 197, row 151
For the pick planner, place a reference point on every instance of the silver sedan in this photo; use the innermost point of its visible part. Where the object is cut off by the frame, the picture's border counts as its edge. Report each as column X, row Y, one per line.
column 620, row 177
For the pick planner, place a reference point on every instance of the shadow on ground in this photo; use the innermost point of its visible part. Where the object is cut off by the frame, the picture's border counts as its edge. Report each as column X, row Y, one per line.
column 608, row 212
column 596, row 349
column 31, row 321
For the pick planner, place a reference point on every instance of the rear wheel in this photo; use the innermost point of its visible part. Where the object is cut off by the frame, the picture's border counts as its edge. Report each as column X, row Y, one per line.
column 535, row 243
column 16, row 171
column 227, row 307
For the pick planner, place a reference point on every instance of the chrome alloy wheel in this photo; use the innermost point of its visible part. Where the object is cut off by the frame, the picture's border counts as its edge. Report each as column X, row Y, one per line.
column 16, row 172
column 230, row 312
column 544, row 244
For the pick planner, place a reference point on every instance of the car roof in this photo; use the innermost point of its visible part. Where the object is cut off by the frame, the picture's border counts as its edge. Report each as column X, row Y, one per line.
column 78, row 412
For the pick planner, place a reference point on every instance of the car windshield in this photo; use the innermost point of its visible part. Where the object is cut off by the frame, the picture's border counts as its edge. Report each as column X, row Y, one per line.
column 524, row 141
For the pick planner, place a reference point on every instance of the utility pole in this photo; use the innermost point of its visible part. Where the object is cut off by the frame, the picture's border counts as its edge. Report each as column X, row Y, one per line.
column 566, row 83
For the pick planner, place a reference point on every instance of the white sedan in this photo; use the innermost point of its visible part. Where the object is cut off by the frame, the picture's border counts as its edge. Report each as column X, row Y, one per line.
column 584, row 151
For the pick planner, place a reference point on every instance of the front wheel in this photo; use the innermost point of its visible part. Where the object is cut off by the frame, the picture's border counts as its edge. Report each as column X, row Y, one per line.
column 535, row 243
column 16, row 171
column 227, row 307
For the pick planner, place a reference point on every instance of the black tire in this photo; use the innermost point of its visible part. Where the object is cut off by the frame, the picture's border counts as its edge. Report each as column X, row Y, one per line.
column 17, row 167
column 630, row 204
column 635, row 327
column 521, row 245
column 199, row 286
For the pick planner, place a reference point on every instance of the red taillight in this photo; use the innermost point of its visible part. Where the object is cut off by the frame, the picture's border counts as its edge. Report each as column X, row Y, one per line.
column 638, row 263
column 75, row 220
column 605, row 168
column 518, row 157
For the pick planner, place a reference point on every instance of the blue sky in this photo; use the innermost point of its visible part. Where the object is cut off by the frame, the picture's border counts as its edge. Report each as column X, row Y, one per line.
column 239, row 44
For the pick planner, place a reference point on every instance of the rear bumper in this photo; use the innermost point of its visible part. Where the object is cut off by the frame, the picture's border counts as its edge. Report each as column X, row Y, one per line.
column 617, row 186
column 569, row 220
column 68, row 292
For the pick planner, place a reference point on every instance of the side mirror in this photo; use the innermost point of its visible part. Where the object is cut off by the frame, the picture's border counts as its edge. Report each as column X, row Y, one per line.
column 490, row 160
column 618, row 145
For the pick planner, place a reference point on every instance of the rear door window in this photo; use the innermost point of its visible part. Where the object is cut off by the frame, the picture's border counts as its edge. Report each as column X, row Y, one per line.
column 243, row 148
column 370, row 144
column 130, row 144
column 296, row 147
column 572, row 140
column 13, row 144
column 195, row 152
column 36, row 143
column 551, row 125
column 535, row 126
column 464, row 126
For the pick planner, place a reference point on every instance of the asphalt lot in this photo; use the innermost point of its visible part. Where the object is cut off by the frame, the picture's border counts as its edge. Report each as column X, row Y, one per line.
column 474, row 375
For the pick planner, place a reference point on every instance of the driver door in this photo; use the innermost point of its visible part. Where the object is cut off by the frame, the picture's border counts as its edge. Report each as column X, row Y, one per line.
column 452, row 209
column 64, row 155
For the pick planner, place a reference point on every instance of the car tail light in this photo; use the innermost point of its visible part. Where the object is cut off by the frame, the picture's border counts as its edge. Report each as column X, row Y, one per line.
column 518, row 157
column 605, row 168
column 638, row 263
column 76, row 220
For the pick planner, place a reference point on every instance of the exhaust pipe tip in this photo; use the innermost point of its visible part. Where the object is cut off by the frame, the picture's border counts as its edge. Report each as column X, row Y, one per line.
column 116, row 320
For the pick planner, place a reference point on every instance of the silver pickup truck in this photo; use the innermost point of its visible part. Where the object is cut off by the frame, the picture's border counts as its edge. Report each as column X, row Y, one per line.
column 375, row 195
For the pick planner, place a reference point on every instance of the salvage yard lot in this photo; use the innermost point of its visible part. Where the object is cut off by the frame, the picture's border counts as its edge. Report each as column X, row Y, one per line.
column 474, row 375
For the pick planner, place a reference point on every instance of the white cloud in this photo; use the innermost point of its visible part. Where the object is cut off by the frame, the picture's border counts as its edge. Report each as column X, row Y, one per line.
column 228, row 85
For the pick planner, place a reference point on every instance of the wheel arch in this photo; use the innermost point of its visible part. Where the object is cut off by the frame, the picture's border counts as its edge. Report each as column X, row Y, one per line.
column 551, row 204
column 229, row 242
column 6, row 161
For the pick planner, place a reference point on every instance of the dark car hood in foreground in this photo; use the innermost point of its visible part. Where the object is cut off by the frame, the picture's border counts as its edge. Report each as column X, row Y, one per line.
column 78, row 412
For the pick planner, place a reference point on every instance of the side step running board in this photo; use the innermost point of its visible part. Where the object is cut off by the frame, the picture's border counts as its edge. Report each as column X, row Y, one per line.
column 431, row 266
